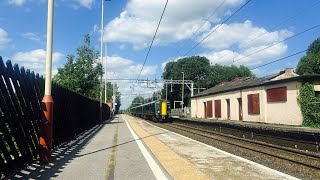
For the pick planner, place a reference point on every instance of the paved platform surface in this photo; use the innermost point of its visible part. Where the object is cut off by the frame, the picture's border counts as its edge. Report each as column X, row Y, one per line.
column 129, row 148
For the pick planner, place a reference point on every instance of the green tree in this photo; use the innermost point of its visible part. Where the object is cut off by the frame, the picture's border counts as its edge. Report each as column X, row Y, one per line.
column 195, row 68
column 220, row 73
column 138, row 100
column 82, row 72
column 199, row 70
column 310, row 63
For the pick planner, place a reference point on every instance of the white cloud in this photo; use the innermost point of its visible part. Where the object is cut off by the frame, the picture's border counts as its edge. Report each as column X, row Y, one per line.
column 96, row 28
column 32, row 36
column 138, row 22
column 226, row 57
column 116, row 64
column 35, row 60
column 17, row 2
column 4, row 38
column 86, row 3
column 122, row 68
column 239, row 34
column 232, row 42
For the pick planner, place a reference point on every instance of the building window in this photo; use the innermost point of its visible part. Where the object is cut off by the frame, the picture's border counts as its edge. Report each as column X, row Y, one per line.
column 253, row 104
column 277, row 94
column 217, row 108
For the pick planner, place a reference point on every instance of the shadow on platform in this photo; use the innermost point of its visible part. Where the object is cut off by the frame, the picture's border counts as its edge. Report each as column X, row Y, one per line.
column 65, row 154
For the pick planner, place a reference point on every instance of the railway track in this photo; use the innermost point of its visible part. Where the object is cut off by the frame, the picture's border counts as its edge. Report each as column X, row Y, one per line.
column 302, row 164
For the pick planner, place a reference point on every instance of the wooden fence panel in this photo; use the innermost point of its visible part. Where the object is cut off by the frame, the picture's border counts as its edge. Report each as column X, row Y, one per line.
column 21, row 92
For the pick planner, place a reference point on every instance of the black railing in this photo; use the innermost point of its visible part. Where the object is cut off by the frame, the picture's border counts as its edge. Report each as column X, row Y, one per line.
column 21, row 93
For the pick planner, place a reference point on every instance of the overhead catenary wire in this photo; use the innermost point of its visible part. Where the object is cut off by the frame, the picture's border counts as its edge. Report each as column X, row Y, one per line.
column 154, row 36
column 206, row 20
column 275, row 43
column 279, row 59
column 217, row 27
column 287, row 19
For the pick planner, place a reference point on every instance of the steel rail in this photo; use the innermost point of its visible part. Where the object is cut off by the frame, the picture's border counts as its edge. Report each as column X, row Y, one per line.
column 194, row 131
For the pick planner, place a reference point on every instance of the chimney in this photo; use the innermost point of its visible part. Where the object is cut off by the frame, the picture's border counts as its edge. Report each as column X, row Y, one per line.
column 286, row 73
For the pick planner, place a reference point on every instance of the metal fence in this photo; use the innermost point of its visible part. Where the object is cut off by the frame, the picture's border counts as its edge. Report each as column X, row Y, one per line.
column 21, row 92
column 181, row 112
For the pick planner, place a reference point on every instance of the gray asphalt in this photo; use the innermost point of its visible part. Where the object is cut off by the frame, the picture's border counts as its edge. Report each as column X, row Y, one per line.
column 130, row 163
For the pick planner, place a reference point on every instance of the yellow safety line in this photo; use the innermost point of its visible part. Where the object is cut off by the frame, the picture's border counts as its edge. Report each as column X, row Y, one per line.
column 112, row 158
column 177, row 166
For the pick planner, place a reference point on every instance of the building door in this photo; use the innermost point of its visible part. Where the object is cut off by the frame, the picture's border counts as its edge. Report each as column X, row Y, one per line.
column 240, row 109
column 228, row 109
column 205, row 109
column 209, row 109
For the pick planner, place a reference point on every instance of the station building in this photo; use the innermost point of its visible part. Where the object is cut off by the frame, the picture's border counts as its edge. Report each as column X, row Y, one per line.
column 271, row 99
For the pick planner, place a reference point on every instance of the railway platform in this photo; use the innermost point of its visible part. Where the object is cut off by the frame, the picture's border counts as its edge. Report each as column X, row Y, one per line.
column 130, row 148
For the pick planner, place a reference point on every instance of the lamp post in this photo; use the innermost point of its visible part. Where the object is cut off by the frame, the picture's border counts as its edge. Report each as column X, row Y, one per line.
column 101, row 56
column 45, row 139
column 105, row 75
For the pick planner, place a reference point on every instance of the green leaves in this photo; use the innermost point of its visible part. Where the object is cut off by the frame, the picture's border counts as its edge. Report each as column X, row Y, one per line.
column 309, row 104
column 310, row 63
column 82, row 72
column 199, row 70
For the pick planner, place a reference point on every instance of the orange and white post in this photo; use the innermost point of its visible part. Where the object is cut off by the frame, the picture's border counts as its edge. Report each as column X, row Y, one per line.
column 46, row 127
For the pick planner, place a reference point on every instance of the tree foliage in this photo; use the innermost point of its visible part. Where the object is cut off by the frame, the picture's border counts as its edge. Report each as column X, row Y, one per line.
column 219, row 73
column 199, row 70
column 310, row 105
column 82, row 72
column 310, row 63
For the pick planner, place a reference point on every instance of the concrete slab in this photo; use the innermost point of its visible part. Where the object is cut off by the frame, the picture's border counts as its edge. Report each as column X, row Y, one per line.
column 90, row 161
column 213, row 162
column 129, row 161
column 107, row 151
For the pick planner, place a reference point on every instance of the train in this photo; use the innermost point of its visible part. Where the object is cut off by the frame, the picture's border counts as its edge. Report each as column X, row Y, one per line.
column 157, row 111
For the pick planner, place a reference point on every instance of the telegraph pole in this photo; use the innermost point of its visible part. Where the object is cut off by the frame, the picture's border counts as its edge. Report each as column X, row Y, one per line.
column 45, row 139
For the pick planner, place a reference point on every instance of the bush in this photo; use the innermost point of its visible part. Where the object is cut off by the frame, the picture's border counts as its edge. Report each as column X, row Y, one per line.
column 309, row 104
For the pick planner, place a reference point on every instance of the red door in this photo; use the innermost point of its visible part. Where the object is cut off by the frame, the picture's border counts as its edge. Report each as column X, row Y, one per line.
column 205, row 109
column 209, row 109
column 240, row 109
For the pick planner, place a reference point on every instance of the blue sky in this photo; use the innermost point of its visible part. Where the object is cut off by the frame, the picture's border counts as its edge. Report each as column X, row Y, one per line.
column 130, row 25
